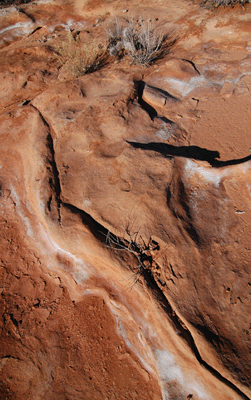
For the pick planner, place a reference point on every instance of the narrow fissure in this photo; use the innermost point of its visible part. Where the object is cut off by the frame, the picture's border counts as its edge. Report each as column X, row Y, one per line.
column 193, row 65
column 54, row 181
column 98, row 230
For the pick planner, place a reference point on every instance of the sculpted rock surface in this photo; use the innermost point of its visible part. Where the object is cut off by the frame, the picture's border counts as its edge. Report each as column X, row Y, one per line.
column 125, row 208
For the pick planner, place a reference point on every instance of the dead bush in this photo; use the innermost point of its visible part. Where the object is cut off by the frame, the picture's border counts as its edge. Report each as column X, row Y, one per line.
column 134, row 243
column 138, row 40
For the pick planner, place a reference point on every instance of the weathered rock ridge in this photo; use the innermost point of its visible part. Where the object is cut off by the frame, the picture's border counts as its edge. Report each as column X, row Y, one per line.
column 125, row 208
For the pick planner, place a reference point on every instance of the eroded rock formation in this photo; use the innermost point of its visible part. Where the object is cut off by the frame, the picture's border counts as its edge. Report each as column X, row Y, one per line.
column 125, row 208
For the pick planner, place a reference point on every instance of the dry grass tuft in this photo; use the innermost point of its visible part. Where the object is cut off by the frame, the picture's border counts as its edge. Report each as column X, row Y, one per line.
column 138, row 40
column 212, row 4
column 80, row 58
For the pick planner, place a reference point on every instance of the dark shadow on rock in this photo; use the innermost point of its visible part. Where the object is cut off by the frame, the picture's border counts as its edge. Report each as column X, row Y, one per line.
column 163, row 93
column 168, row 150
column 98, row 230
column 166, row 120
column 195, row 152
column 139, row 86
column 218, row 163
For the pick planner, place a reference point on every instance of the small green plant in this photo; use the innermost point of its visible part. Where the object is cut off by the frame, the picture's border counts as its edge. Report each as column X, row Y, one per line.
column 138, row 40
column 79, row 58
column 212, row 4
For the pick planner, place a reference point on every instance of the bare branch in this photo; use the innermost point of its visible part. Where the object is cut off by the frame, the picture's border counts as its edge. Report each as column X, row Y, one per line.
column 139, row 248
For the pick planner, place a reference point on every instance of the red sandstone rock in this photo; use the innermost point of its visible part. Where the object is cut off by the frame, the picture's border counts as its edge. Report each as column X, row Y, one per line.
column 157, row 157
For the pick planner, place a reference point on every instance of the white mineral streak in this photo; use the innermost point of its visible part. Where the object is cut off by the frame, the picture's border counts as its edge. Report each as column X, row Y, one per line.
column 185, row 87
column 214, row 175
column 48, row 246
column 20, row 28
column 170, row 372
column 70, row 24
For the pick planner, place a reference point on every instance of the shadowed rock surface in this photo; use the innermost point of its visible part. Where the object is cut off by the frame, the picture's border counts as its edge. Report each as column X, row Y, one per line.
column 125, row 207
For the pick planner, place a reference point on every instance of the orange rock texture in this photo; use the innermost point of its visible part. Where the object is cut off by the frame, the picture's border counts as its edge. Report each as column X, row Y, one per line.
column 125, row 203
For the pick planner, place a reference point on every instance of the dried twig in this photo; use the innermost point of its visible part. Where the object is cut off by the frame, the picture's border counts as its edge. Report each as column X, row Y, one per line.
column 136, row 245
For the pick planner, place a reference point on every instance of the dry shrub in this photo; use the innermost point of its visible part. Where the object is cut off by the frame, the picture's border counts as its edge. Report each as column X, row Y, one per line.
column 80, row 58
column 10, row 2
column 212, row 4
column 138, row 40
